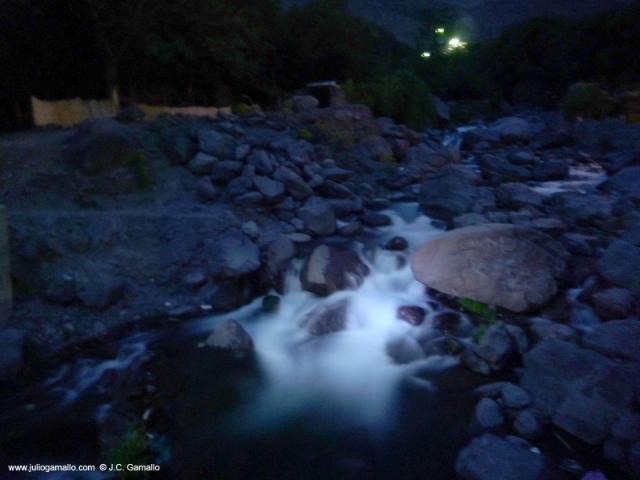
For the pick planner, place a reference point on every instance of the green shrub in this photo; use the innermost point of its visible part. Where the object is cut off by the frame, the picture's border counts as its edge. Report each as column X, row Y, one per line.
column 587, row 100
column 403, row 96
column 243, row 109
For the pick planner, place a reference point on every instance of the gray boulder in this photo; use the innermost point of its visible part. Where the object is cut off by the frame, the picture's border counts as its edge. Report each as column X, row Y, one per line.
column 318, row 216
column 514, row 129
column 304, row 103
column 98, row 289
column 512, row 267
column 451, row 192
column 233, row 255
column 490, row 457
column 330, row 269
column 617, row 338
column 202, row 163
column 205, row 190
column 294, row 183
column 625, row 182
column 11, row 353
column 620, row 265
column 613, row 303
column 217, row 144
column 582, row 391
column 247, row 200
column 518, row 195
column 496, row 347
column 272, row 191
column 499, row 169
column 514, row 396
column 230, row 336
column 226, row 170
column 262, row 162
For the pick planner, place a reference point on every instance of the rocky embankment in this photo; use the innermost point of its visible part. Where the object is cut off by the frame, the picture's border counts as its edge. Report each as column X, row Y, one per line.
column 116, row 223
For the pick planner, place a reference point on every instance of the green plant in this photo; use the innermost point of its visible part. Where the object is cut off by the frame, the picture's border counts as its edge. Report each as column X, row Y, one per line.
column 337, row 135
column 479, row 309
column 243, row 109
column 587, row 100
column 305, row 134
column 133, row 448
column 138, row 161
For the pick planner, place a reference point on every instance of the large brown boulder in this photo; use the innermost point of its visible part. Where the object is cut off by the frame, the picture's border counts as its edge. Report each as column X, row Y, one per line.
column 505, row 265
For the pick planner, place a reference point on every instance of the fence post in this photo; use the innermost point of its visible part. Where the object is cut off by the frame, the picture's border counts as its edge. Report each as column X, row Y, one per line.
column 6, row 295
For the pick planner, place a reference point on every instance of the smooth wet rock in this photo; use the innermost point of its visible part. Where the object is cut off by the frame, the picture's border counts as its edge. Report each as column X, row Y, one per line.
column 620, row 265
column 327, row 318
column 397, row 244
column 331, row 269
column 404, row 349
column 490, row 457
column 514, row 129
column 498, row 169
column 451, row 323
column 233, row 255
column 230, row 336
column 97, row 289
column 583, row 392
column 512, row 267
column 249, row 200
column 488, row 414
column 277, row 256
column 270, row 304
column 413, row 315
column 11, row 353
column 617, row 338
column 518, row 195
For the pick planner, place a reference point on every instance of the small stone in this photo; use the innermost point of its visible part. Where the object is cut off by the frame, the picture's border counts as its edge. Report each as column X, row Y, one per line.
column 205, row 190
column 202, row 164
column 397, row 244
column 526, row 424
column 251, row 229
column 195, row 279
column 488, row 414
column 270, row 304
column 514, row 396
column 251, row 199
column 413, row 315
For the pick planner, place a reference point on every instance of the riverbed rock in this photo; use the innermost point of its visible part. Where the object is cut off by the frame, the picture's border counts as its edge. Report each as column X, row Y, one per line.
column 217, row 144
column 397, row 244
column 583, row 392
column 233, row 255
column 294, row 183
column 230, row 336
column 327, row 318
column 412, row 314
column 527, row 424
column 620, row 265
column 488, row 414
column 452, row 192
column 318, row 216
column 496, row 347
column 514, row 129
column 271, row 190
column 617, row 338
column 330, row 269
column 202, row 163
column 512, row 267
column 11, row 353
column 514, row 396
column 490, row 457
column 612, row 303
column 625, row 182
column 205, row 190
